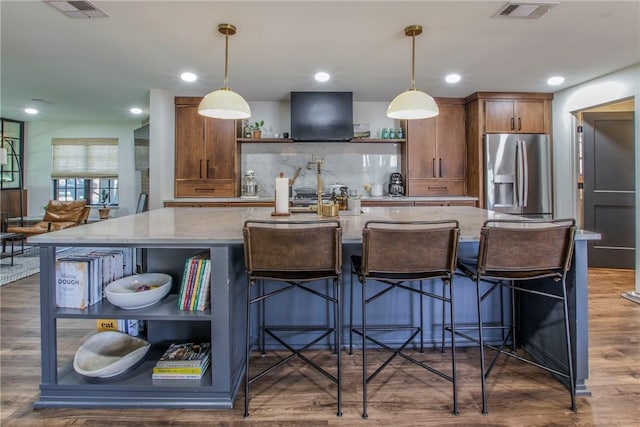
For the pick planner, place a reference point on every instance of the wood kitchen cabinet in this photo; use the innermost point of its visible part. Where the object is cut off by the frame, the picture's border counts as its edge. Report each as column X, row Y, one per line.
column 514, row 116
column 205, row 153
column 434, row 152
column 495, row 112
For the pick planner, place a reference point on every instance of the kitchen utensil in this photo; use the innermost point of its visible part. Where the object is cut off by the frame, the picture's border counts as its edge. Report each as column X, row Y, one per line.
column 376, row 190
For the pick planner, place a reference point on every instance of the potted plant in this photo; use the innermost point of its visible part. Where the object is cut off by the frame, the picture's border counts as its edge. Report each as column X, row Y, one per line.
column 256, row 127
column 103, row 199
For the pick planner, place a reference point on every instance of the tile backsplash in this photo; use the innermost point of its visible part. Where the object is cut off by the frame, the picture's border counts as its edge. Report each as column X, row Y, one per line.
column 351, row 164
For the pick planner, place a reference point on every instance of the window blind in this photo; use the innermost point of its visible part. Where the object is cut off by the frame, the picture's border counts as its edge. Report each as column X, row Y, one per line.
column 85, row 158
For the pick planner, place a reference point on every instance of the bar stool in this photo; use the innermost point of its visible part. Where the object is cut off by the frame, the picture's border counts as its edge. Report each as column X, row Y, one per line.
column 395, row 254
column 293, row 255
column 512, row 252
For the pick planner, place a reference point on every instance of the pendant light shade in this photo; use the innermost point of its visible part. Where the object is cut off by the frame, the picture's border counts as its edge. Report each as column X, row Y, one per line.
column 413, row 104
column 225, row 103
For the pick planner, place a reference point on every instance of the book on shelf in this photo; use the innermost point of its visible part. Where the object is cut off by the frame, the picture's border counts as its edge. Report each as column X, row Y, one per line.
column 175, row 377
column 82, row 274
column 180, row 373
column 195, row 287
column 132, row 327
column 185, row 355
column 72, row 284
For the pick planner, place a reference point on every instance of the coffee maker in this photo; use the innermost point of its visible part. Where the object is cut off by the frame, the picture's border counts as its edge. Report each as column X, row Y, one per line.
column 396, row 185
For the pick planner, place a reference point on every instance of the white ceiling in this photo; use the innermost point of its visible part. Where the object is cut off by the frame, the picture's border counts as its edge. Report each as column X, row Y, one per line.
column 96, row 69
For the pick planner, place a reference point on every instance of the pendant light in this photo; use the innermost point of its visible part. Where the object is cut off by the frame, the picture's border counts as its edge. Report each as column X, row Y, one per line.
column 413, row 104
column 225, row 103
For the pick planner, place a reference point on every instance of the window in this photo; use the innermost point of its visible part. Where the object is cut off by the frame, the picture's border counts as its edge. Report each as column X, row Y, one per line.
column 83, row 168
column 10, row 175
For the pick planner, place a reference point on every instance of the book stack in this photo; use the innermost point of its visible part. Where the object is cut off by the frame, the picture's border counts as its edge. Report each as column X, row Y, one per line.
column 82, row 274
column 183, row 361
column 196, row 283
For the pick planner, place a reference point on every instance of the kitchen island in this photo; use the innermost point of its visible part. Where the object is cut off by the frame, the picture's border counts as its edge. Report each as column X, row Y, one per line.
column 169, row 235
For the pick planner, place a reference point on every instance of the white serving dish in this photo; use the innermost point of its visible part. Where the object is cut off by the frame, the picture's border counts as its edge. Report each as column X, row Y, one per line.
column 109, row 353
column 123, row 293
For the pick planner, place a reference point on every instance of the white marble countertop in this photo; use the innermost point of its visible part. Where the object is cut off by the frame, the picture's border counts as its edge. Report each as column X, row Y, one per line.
column 197, row 227
column 271, row 199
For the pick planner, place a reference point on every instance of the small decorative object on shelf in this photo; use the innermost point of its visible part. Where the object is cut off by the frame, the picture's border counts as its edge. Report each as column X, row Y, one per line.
column 257, row 129
column 361, row 130
column 104, row 198
column 246, row 129
column 108, row 354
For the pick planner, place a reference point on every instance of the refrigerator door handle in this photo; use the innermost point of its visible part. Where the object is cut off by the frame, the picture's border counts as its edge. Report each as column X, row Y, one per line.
column 525, row 173
column 519, row 173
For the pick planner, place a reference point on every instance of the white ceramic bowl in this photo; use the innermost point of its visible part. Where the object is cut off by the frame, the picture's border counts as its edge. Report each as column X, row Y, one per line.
column 123, row 292
column 109, row 353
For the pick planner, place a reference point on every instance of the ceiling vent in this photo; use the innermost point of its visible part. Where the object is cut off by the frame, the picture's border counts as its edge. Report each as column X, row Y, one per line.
column 77, row 9
column 524, row 9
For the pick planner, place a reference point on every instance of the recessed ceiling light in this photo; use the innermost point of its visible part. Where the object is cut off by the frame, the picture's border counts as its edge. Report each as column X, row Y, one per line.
column 188, row 77
column 136, row 110
column 31, row 111
column 452, row 78
column 555, row 81
column 322, row 76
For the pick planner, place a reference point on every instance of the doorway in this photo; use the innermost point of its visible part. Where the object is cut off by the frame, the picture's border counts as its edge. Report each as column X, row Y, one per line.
column 609, row 185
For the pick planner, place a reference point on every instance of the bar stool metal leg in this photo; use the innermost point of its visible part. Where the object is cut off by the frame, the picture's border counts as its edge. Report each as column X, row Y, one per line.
column 572, row 378
column 338, row 333
column 453, row 347
column 364, row 349
column 247, row 343
column 483, row 378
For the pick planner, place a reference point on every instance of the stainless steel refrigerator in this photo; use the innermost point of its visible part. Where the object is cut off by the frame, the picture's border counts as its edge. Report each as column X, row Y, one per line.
column 518, row 174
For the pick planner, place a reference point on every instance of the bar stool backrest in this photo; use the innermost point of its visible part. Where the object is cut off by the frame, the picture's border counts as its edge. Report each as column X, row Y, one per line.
column 293, row 246
column 390, row 247
column 526, row 245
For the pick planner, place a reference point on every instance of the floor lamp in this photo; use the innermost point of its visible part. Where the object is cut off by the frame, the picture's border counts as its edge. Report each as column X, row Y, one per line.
column 4, row 160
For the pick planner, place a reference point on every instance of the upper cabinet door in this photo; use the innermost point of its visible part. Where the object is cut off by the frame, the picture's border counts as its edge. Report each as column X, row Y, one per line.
column 529, row 116
column 190, row 143
column 499, row 116
column 421, row 148
column 451, row 147
column 220, row 159
column 514, row 116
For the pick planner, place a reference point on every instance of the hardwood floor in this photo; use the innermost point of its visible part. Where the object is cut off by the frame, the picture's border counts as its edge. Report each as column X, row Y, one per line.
column 518, row 394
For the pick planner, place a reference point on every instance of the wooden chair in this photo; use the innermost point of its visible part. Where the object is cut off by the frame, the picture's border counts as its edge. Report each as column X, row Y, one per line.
column 58, row 215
